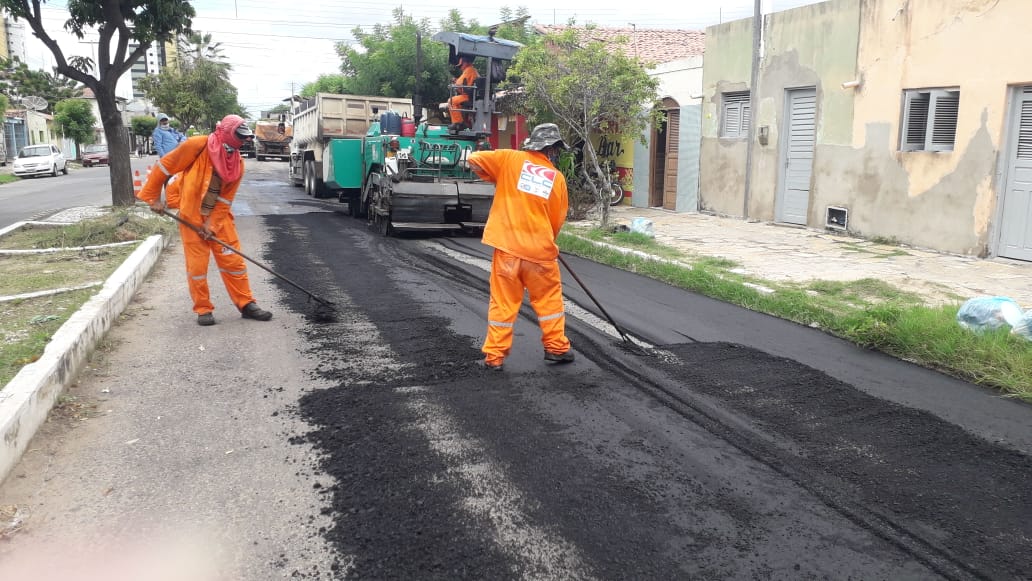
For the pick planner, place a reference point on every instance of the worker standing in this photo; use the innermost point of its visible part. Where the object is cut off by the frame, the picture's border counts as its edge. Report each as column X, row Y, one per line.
column 529, row 208
column 467, row 78
column 166, row 137
column 211, row 169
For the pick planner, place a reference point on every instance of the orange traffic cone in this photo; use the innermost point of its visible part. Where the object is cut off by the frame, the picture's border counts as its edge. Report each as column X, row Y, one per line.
column 137, row 184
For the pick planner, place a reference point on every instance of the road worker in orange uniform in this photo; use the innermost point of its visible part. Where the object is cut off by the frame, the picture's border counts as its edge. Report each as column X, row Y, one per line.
column 529, row 208
column 208, row 170
column 467, row 78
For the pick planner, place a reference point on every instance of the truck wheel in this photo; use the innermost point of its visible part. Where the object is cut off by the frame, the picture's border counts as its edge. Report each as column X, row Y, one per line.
column 310, row 177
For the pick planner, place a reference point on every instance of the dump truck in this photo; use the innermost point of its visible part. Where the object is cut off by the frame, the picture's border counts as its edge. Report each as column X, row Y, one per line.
column 319, row 120
column 272, row 138
column 393, row 168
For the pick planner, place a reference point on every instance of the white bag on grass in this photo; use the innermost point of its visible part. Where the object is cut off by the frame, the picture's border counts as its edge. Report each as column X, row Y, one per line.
column 985, row 313
column 643, row 226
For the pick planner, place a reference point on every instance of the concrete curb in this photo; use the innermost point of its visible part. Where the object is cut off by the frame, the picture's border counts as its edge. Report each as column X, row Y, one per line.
column 28, row 398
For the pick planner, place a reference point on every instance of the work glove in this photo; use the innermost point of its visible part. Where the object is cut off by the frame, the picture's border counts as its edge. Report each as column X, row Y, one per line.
column 444, row 106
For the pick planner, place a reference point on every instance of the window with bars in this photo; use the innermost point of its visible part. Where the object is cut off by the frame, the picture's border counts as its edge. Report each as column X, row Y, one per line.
column 735, row 118
column 929, row 119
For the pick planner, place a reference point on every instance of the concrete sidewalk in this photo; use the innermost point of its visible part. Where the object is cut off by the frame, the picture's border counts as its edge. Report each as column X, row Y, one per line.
column 26, row 400
column 784, row 253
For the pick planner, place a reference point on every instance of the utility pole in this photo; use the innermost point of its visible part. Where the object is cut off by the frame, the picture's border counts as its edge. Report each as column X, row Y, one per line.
column 757, row 38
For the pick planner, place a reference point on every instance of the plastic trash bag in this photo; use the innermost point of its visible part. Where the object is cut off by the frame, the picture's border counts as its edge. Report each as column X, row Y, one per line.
column 1024, row 327
column 985, row 313
column 643, row 226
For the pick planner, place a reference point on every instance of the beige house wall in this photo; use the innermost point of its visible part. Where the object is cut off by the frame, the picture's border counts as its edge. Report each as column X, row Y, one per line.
column 726, row 68
column 812, row 46
column 941, row 200
column 39, row 131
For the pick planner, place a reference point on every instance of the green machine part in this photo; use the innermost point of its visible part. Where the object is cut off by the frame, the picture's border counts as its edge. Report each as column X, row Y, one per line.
column 345, row 168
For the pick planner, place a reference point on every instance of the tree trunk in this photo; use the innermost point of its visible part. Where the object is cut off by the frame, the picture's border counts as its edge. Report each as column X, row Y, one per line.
column 117, row 136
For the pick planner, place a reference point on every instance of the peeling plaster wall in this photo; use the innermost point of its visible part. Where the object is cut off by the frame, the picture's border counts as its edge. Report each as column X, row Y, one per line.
column 811, row 46
column 814, row 46
column 941, row 200
column 722, row 164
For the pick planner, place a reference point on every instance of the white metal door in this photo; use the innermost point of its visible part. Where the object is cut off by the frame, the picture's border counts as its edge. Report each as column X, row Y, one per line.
column 1016, row 220
column 793, row 201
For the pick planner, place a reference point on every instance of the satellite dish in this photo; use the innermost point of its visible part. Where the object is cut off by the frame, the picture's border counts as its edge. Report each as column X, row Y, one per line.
column 35, row 103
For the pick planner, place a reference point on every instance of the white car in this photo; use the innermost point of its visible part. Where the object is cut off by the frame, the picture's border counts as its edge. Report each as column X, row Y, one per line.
column 37, row 160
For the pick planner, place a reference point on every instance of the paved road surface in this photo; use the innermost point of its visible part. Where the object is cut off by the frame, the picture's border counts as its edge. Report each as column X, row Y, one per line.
column 32, row 198
column 372, row 447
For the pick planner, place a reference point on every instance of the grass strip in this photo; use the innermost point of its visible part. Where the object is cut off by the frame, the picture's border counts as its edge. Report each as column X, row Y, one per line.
column 27, row 325
column 868, row 312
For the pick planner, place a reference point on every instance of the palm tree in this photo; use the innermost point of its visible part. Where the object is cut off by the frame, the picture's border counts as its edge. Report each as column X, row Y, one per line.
column 197, row 48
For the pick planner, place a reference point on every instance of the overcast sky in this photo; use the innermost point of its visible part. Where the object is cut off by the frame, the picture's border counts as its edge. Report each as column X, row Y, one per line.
column 277, row 45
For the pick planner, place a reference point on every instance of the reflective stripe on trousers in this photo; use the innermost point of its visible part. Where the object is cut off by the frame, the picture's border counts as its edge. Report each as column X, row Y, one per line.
column 231, row 266
column 510, row 276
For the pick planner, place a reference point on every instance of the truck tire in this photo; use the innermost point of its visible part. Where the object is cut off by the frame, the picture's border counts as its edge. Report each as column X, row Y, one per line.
column 310, row 177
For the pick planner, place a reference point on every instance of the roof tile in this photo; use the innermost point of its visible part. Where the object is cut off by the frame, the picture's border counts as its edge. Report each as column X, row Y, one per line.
column 647, row 44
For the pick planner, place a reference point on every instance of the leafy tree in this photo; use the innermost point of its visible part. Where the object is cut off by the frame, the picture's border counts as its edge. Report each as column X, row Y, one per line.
column 384, row 63
column 5, row 103
column 117, row 23
column 75, row 118
column 586, row 88
column 281, row 108
column 324, row 84
column 18, row 80
column 143, row 124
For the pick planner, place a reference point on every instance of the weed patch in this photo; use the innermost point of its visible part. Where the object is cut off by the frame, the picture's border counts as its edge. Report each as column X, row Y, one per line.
column 869, row 312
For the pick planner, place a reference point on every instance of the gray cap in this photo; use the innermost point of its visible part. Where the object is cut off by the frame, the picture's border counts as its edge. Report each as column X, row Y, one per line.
column 162, row 117
column 543, row 136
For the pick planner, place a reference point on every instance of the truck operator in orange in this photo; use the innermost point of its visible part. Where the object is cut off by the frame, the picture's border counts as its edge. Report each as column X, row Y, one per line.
column 529, row 208
column 467, row 78
column 208, row 169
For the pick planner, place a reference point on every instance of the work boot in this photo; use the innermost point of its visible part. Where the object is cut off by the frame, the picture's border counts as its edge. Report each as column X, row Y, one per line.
column 206, row 320
column 485, row 365
column 559, row 357
column 253, row 311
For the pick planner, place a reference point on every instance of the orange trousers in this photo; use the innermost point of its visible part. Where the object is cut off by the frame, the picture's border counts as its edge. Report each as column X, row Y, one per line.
column 232, row 267
column 454, row 104
column 510, row 276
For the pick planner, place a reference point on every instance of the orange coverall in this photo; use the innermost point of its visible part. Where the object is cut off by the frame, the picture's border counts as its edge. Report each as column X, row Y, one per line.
column 467, row 78
column 191, row 158
column 529, row 208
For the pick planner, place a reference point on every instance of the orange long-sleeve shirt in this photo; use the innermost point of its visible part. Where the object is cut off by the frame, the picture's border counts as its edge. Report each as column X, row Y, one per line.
column 191, row 158
column 468, row 77
column 530, row 202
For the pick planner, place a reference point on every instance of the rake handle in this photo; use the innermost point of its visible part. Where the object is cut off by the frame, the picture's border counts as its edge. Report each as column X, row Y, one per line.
column 202, row 234
column 594, row 300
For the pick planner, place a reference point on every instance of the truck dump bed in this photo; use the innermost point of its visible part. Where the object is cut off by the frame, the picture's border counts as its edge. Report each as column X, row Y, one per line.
column 269, row 131
column 328, row 116
column 272, row 139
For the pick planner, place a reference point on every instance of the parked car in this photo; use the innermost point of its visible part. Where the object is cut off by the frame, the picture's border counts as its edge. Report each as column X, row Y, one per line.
column 94, row 155
column 37, row 160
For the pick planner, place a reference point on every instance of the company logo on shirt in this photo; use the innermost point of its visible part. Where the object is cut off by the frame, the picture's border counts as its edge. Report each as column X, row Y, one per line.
column 536, row 180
